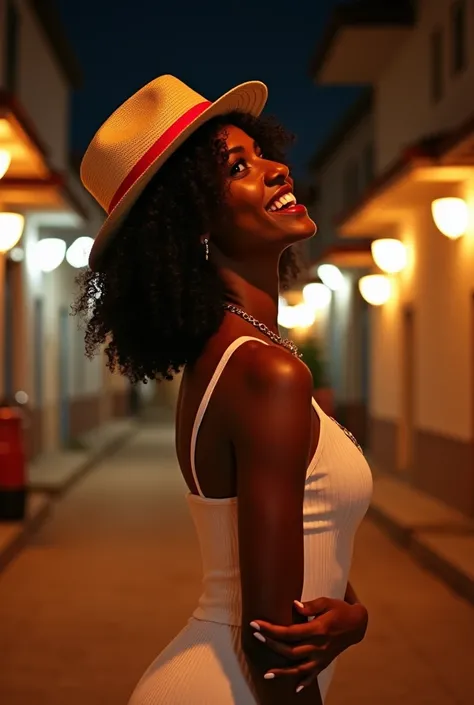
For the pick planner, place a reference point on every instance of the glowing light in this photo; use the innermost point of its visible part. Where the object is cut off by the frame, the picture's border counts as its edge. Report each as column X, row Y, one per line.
column 17, row 254
column 299, row 316
column 5, row 161
column 331, row 276
column 50, row 253
column 451, row 216
column 78, row 253
column 21, row 397
column 11, row 230
column 375, row 289
column 317, row 296
column 389, row 254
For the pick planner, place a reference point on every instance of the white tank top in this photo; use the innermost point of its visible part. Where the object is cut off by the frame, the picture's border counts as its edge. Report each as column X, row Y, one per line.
column 338, row 490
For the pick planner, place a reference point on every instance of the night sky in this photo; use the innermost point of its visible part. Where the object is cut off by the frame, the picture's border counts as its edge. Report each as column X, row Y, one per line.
column 210, row 45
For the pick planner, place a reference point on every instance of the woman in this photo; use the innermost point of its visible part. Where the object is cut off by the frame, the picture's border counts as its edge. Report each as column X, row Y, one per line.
column 185, row 273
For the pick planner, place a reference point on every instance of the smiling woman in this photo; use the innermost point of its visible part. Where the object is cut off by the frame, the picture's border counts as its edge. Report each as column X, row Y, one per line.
column 186, row 272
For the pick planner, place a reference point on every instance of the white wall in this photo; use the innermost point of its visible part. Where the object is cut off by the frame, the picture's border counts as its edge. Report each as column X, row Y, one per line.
column 438, row 284
column 342, row 322
column 42, row 88
column 404, row 109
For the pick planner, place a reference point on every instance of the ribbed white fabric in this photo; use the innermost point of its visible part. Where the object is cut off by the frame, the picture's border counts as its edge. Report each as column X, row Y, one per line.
column 204, row 664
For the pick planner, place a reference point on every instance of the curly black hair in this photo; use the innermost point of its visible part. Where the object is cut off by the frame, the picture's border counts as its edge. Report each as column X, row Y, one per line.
column 156, row 300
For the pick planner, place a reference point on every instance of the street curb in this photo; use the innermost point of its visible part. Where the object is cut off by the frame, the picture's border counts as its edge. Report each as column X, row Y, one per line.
column 412, row 541
column 402, row 535
column 458, row 581
column 28, row 528
column 82, row 470
column 31, row 524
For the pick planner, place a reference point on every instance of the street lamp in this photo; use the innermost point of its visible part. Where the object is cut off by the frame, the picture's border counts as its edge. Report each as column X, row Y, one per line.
column 317, row 295
column 5, row 161
column 375, row 289
column 389, row 255
column 11, row 230
column 78, row 253
column 299, row 316
column 331, row 276
column 451, row 216
column 50, row 253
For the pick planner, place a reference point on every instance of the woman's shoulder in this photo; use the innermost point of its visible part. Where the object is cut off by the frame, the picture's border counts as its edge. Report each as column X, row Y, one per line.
column 263, row 366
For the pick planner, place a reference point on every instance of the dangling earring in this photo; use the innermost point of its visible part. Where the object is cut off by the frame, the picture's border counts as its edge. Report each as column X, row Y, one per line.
column 206, row 245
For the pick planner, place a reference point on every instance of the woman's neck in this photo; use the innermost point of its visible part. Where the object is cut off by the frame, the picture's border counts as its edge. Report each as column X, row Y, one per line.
column 256, row 294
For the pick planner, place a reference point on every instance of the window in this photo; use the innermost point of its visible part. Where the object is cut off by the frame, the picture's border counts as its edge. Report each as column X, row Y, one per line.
column 458, row 36
column 437, row 84
column 11, row 55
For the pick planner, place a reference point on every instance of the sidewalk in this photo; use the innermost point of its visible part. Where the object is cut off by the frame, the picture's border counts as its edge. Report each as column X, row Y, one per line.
column 438, row 536
column 52, row 474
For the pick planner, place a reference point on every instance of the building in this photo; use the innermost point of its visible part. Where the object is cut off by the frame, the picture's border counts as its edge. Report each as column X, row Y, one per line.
column 418, row 60
column 41, row 349
column 341, row 170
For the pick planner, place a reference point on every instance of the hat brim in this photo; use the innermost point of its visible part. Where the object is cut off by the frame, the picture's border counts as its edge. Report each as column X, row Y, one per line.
column 249, row 97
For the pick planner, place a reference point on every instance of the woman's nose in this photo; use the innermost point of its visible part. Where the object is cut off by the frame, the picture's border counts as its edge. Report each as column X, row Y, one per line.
column 276, row 173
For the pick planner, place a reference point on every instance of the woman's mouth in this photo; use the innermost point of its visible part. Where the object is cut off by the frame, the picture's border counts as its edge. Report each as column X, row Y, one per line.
column 286, row 205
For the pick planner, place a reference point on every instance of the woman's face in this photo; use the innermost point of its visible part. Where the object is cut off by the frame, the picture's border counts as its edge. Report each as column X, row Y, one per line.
column 261, row 213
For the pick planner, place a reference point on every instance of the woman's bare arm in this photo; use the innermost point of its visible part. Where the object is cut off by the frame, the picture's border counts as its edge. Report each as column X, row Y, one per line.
column 270, row 426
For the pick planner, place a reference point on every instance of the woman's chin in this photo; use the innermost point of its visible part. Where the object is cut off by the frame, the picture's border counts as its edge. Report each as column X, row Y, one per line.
column 302, row 229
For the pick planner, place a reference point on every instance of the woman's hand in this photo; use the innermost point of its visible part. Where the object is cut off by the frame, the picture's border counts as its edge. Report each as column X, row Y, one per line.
column 312, row 646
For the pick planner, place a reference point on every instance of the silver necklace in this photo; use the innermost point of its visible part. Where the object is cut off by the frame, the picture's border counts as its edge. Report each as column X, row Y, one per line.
column 284, row 342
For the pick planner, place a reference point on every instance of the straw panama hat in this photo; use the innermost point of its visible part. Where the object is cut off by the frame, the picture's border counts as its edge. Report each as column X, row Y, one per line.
column 134, row 142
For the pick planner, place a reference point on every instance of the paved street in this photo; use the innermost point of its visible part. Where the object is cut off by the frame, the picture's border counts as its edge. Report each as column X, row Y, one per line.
column 114, row 574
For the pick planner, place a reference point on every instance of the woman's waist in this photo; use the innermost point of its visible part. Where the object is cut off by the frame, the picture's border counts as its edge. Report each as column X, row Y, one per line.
column 219, row 611
column 220, row 600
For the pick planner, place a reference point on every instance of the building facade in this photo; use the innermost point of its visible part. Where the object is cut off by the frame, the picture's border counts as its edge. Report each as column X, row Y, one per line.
column 341, row 170
column 42, row 362
column 418, row 59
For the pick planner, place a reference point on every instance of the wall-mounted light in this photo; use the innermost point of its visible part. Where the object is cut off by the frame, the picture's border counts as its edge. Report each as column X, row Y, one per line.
column 375, row 289
column 317, row 295
column 331, row 276
column 451, row 216
column 11, row 230
column 17, row 254
column 78, row 253
column 5, row 161
column 299, row 316
column 50, row 253
column 389, row 254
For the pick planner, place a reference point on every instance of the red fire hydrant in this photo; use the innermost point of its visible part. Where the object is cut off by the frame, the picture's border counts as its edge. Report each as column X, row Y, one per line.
column 12, row 465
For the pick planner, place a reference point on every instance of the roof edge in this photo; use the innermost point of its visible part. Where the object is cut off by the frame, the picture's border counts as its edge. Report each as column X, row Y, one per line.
column 48, row 16
column 396, row 13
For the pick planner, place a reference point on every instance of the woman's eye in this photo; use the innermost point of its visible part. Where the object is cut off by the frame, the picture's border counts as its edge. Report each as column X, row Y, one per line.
column 238, row 167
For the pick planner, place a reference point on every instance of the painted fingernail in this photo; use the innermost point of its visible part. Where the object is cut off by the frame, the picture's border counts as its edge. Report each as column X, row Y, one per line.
column 260, row 637
column 299, row 604
column 256, row 626
column 299, row 688
column 269, row 676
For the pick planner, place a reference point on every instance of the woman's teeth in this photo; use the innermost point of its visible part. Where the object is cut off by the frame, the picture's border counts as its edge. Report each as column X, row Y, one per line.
column 287, row 199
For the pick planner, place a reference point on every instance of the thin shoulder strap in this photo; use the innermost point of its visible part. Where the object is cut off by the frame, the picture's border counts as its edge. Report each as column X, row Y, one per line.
column 207, row 395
